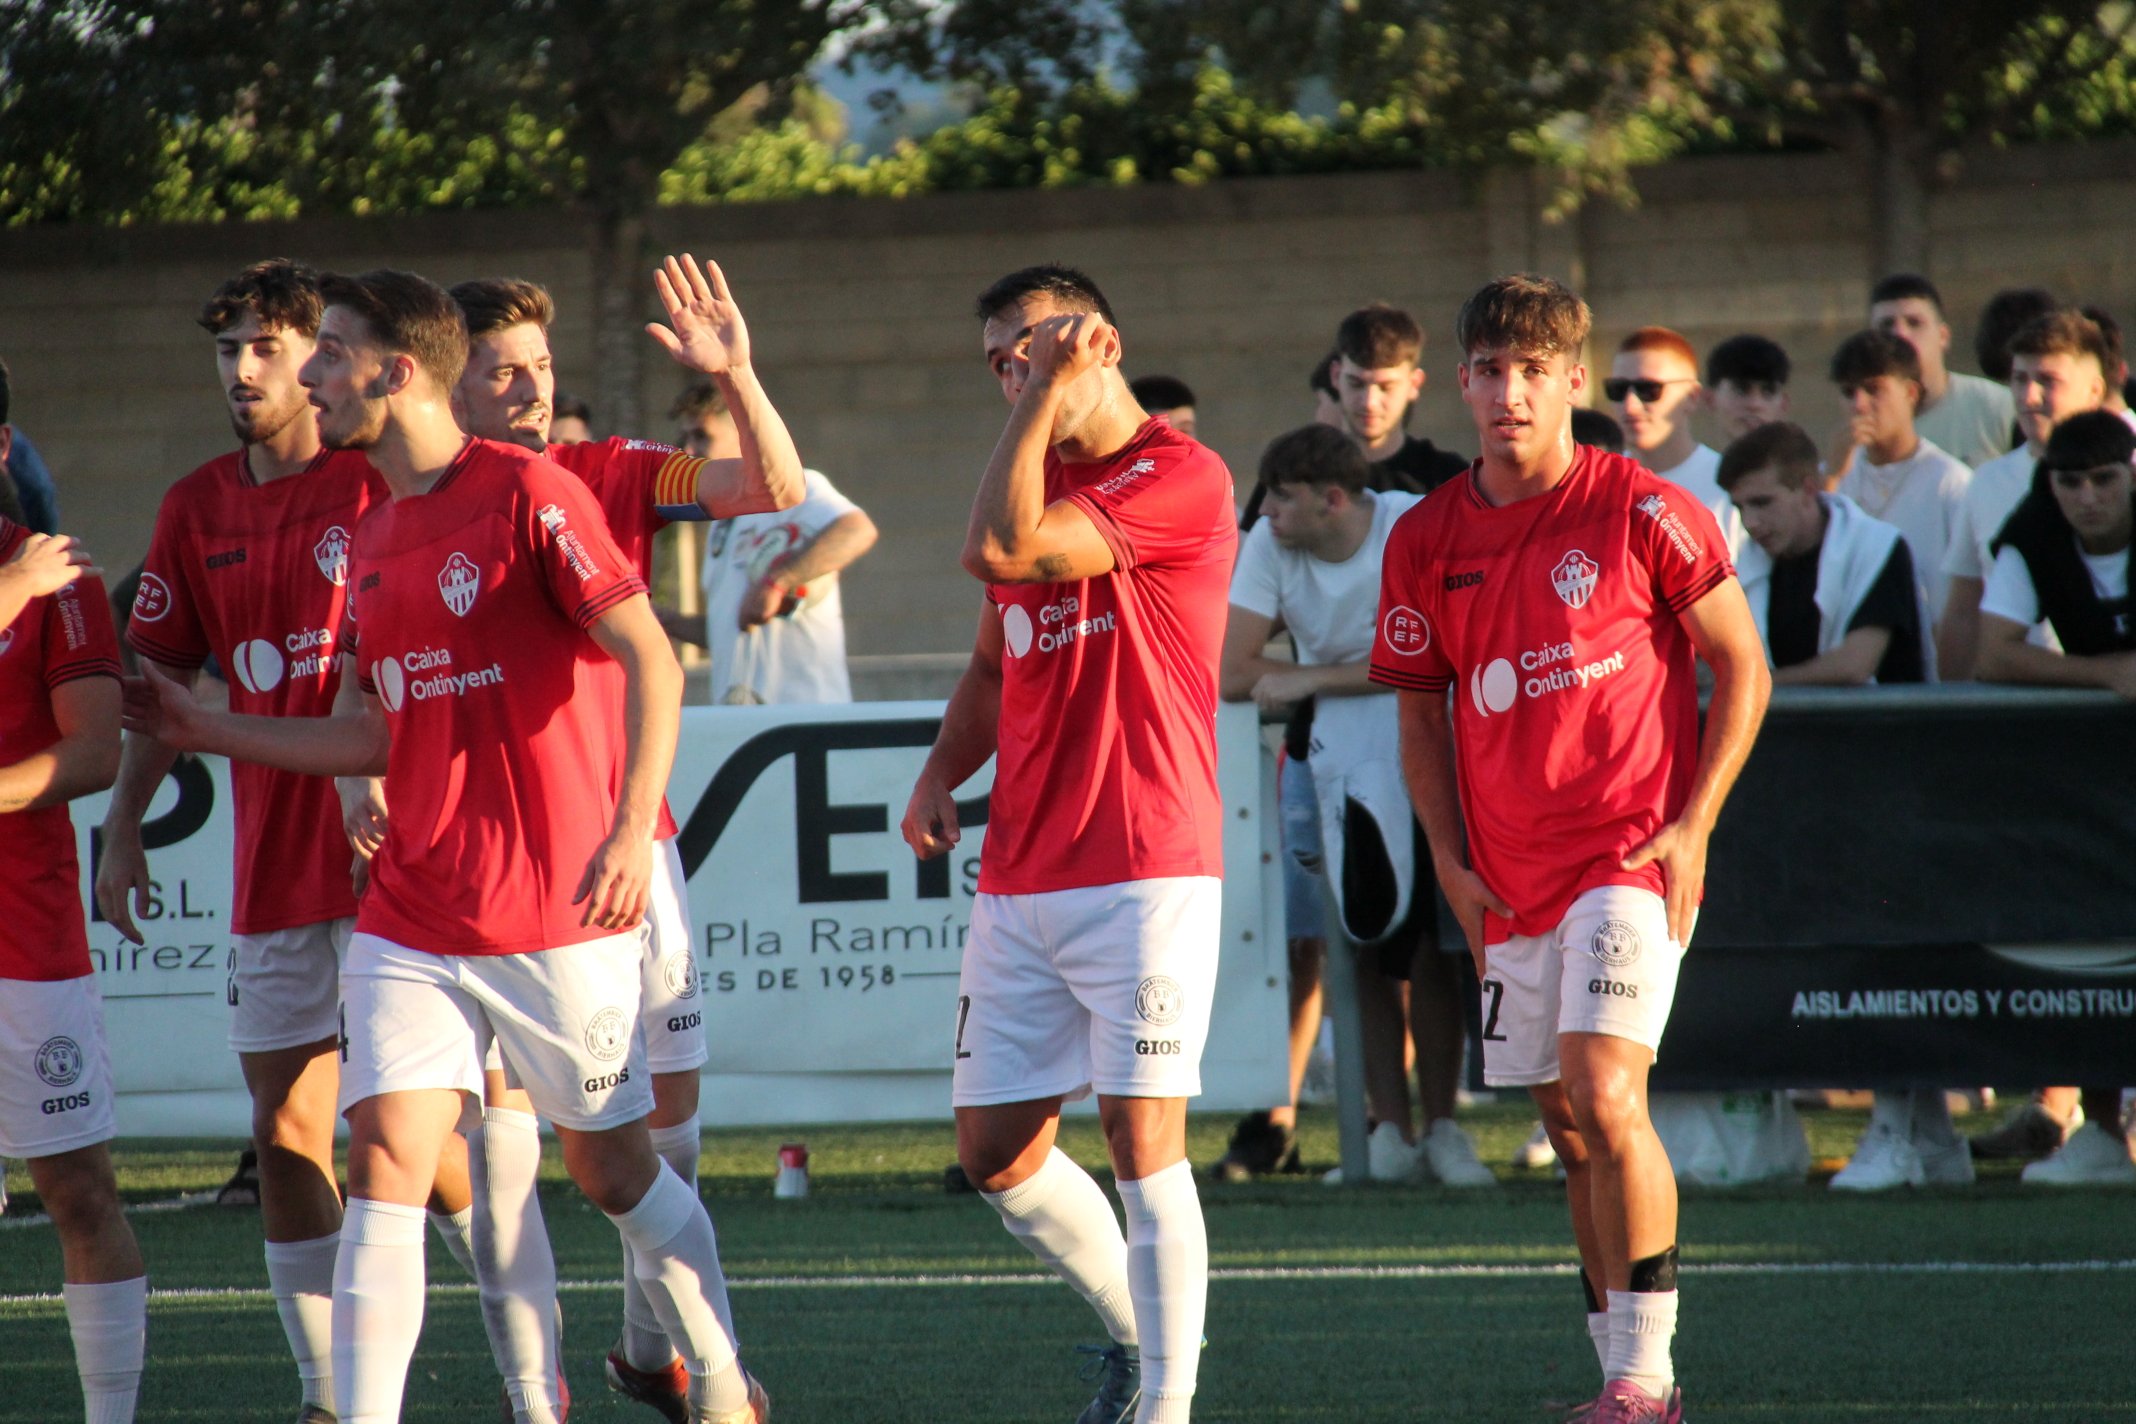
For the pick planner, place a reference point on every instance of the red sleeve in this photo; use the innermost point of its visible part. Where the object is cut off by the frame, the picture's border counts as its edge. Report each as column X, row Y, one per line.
column 1167, row 507
column 561, row 522
column 1407, row 651
column 165, row 624
column 1679, row 542
column 79, row 640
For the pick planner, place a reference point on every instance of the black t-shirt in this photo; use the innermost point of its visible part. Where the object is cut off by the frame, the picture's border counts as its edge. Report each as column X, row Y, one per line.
column 1791, row 617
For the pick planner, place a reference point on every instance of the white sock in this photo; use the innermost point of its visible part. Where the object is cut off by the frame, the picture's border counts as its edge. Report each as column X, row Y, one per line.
column 645, row 1344
column 110, row 1327
column 515, row 1268
column 1929, row 1117
column 378, row 1308
column 301, row 1275
column 1168, row 1276
column 1642, row 1323
column 1891, row 1108
column 676, row 1257
column 457, row 1231
column 1598, row 1332
column 1062, row 1217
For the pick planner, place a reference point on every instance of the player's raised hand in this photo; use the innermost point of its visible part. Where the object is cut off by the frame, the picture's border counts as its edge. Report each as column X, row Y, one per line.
column 1469, row 898
column 157, row 707
column 1064, row 347
column 617, row 884
column 122, row 884
column 704, row 330
column 47, row 563
column 930, row 824
column 1680, row 847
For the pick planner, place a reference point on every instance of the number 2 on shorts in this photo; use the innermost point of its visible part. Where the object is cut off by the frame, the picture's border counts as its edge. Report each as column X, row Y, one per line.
column 1497, row 991
column 964, row 1012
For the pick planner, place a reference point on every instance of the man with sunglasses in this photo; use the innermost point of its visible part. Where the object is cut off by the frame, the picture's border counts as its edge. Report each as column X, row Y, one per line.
column 1653, row 382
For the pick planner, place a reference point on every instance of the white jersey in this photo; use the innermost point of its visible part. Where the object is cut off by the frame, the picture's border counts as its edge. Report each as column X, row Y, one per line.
column 1328, row 605
column 1923, row 496
column 799, row 656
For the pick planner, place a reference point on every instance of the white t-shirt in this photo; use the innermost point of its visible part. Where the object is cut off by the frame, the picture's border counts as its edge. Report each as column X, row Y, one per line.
column 1924, row 496
column 798, row 656
column 1330, row 608
column 2010, row 594
column 1973, row 420
column 1699, row 476
column 1995, row 489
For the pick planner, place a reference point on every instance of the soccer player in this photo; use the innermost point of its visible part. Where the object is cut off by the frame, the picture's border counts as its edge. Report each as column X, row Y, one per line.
column 507, row 394
column 59, row 728
column 1558, row 593
column 501, row 628
column 1105, row 540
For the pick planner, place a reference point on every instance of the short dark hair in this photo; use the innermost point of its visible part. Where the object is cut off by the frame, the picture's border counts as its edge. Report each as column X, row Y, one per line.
column 2087, row 441
column 1537, row 316
column 2064, row 331
column 2002, row 318
column 1901, row 285
column 284, row 295
column 1323, row 378
column 1783, row 447
column 491, row 304
column 1315, row 455
column 1748, row 360
column 1378, row 335
column 698, row 399
column 2110, row 332
column 7, row 395
column 1597, row 428
column 1071, row 290
column 408, row 315
column 572, row 408
column 1868, row 354
column 1160, row 392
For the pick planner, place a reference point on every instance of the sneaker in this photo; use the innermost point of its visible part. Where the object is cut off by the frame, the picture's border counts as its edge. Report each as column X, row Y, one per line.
column 1452, row 1158
column 243, row 1188
column 1536, row 1153
column 1945, row 1164
column 1118, row 1372
column 2027, row 1135
column 316, row 1414
column 1882, row 1160
column 756, row 1411
column 2093, row 1157
column 1259, row 1146
column 1623, row 1402
column 665, row 1390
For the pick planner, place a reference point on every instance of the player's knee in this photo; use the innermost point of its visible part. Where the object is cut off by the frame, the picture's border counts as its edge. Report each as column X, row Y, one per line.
column 80, row 1194
column 1609, row 1112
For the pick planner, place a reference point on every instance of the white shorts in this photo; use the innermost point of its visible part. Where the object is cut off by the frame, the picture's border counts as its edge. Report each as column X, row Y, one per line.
column 55, row 1068
column 1106, row 987
column 566, row 1019
column 1609, row 967
column 285, row 984
column 669, row 1006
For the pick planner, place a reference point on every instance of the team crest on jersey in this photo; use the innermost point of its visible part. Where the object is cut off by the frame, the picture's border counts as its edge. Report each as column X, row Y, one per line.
column 1653, row 506
column 331, row 554
column 1160, row 1000
column 551, row 517
column 460, row 581
column 608, row 1035
column 1616, row 943
column 1574, row 578
column 680, row 971
column 59, row 1061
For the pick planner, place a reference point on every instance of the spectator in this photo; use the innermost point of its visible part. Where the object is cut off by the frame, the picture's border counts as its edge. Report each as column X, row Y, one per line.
column 1166, row 397
column 2006, row 314
column 2063, row 558
column 1747, row 378
column 774, row 620
column 1593, row 427
column 573, row 422
column 2117, row 363
column 1897, row 475
column 1377, row 382
column 1966, row 415
column 10, row 499
column 33, row 485
column 1327, row 406
column 1314, row 563
column 2057, row 370
column 1653, row 381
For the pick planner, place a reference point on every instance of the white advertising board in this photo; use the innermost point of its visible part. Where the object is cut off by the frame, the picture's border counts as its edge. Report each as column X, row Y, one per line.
column 827, row 954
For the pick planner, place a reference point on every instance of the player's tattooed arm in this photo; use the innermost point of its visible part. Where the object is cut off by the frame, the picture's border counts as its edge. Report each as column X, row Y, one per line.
column 969, row 734
column 1015, row 536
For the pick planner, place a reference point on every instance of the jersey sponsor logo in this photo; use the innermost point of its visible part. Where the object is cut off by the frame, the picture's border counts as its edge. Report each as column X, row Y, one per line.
column 258, row 664
column 679, row 972
column 608, row 1034
column 226, row 558
column 1574, row 578
column 1612, row 989
column 52, row 1107
column 151, row 600
column 1405, row 630
column 59, row 1061
column 1493, row 686
column 1158, row 1047
column 1160, row 1001
column 1126, row 477
column 458, row 582
column 1674, row 529
column 1057, row 625
column 331, row 554
column 1471, row 579
column 390, row 675
column 1616, row 943
column 660, row 446
column 558, row 524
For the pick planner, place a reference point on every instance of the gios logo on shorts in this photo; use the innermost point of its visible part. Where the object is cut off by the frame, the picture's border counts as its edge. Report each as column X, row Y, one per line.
column 59, row 1061
column 1160, row 1000
column 679, row 972
column 1616, row 943
column 608, row 1034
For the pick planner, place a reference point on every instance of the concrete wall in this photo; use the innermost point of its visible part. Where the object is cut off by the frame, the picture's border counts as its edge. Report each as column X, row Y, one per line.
column 861, row 310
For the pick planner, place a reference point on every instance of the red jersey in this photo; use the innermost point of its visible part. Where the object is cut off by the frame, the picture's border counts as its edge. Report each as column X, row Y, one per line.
column 1555, row 620
column 643, row 486
column 255, row 575
column 472, row 602
column 1106, row 765
column 54, row 640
